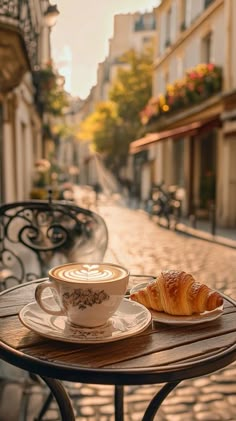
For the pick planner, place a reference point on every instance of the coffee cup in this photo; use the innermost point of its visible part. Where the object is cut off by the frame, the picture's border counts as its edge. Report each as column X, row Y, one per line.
column 86, row 294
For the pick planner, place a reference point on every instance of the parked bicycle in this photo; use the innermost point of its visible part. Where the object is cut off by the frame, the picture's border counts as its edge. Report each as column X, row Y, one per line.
column 164, row 202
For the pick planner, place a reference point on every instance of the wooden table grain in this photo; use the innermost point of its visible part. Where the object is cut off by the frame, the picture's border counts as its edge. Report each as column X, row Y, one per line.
column 160, row 354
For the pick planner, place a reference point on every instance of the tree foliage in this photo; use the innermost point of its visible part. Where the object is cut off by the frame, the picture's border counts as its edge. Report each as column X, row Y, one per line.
column 100, row 126
column 115, row 123
column 133, row 85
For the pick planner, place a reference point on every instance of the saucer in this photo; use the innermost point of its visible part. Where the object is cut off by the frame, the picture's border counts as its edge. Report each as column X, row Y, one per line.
column 161, row 317
column 169, row 319
column 140, row 285
column 130, row 319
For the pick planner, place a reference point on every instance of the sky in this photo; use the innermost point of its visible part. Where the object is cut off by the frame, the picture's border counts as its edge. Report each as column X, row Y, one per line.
column 79, row 40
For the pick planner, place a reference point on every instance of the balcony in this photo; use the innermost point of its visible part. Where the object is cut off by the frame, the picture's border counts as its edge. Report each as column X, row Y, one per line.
column 18, row 42
column 199, row 84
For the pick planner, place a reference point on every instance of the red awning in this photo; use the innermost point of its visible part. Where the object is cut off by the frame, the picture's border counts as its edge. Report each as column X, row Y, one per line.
column 189, row 129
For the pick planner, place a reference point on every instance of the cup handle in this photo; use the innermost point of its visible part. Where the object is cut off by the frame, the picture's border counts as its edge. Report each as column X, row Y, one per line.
column 38, row 297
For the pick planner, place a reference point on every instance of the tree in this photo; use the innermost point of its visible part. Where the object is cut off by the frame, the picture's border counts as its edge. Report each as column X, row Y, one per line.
column 133, row 85
column 130, row 92
column 115, row 123
column 100, row 127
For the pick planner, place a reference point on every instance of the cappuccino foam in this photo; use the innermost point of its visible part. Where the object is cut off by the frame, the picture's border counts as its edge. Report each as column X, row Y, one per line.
column 88, row 272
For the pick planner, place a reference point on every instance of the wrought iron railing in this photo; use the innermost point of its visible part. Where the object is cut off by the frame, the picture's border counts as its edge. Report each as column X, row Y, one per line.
column 18, row 13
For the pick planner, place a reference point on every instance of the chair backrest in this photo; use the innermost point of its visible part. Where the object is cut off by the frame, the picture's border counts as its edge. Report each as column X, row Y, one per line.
column 37, row 235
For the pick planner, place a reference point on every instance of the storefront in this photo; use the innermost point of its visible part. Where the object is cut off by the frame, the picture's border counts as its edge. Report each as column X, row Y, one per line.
column 186, row 156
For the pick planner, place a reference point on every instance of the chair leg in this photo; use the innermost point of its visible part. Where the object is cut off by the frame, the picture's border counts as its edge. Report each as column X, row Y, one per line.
column 56, row 391
column 44, row 407
column 157, row 400
column 62, row 398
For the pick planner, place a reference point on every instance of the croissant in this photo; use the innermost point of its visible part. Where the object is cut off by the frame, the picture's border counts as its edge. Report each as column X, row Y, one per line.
column 177, row 293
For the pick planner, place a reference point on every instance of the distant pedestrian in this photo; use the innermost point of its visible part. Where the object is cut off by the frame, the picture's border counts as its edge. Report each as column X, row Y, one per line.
column 97, row 189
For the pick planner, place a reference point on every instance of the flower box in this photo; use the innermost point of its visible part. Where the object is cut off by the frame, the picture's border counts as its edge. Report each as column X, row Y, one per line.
column 198, row 84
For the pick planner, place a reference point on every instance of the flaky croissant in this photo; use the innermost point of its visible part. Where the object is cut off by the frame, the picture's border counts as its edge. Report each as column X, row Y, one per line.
column 177, row 293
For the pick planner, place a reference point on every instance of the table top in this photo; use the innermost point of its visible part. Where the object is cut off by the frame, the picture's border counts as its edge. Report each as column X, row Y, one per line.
column 161, row 353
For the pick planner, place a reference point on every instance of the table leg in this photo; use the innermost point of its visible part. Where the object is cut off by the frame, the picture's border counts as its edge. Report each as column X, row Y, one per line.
column 62, row 398
column 157, row 400
column 119, row 403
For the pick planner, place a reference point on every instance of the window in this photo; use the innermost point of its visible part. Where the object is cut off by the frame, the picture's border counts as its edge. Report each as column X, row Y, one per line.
column 207, row 3
column 168, row 28
column 138, row 25
column 206, row 48
column 183, row 15
column 145, row 22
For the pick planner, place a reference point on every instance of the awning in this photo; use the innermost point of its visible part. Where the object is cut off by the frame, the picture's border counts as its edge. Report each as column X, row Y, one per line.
column 178, row 132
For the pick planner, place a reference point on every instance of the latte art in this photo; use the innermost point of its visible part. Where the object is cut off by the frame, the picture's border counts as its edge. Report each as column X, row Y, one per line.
column 90, row 273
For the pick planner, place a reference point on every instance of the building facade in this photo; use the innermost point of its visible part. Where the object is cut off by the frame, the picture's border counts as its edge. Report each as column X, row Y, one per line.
column 131, row 31
column 24, row 48
column 189, row 132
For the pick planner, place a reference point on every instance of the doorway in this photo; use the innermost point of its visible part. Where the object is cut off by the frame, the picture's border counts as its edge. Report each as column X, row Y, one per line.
column 202, row 172
column 207, row 185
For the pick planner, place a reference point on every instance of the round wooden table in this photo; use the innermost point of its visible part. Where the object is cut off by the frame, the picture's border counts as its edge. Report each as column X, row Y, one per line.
column 160, row 354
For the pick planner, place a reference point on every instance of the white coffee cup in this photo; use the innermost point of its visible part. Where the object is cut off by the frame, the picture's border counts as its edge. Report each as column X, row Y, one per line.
column 87, row 294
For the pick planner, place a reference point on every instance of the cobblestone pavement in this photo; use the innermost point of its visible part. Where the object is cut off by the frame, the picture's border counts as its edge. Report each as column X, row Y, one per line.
column 139, row 244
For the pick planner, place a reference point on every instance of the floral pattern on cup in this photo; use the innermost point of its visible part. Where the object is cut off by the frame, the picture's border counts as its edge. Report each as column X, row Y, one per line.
column 83, row 298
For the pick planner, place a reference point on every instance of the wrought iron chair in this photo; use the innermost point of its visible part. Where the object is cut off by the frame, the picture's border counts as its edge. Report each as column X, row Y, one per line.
column 37, row 235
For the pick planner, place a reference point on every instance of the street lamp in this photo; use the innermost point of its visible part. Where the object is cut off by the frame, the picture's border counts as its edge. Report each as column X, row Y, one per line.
column 50, row 15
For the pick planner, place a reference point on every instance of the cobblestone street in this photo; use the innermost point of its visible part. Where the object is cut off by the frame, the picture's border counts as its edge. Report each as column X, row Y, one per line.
column 137, row 243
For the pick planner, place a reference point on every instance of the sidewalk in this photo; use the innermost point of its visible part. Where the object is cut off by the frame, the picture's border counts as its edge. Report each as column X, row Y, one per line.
column 203, row 229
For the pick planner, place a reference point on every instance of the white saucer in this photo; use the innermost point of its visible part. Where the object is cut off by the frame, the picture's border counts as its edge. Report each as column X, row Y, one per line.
column 130, row 319
column 139, row 286
column 169, row 319
column 207, row 316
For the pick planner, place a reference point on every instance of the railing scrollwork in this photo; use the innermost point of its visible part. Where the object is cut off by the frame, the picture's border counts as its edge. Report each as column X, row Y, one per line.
column 18, row 14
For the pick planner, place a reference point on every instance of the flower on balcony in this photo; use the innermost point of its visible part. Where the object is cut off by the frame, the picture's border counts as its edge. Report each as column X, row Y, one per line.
column 50, row 96
column 149, row 111
column 45, row 78
column 198, row 84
